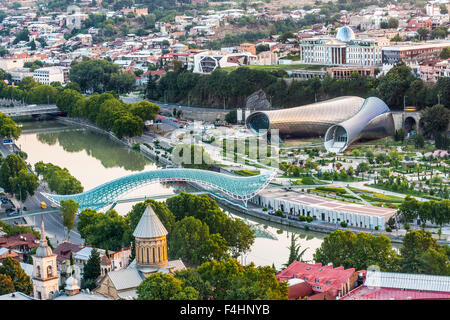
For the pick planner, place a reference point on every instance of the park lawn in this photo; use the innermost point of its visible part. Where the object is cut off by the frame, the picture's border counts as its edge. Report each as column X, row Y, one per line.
column 246, row 173
column 307, row 181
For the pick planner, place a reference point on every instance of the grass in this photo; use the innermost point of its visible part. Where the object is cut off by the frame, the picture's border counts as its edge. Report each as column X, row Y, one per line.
column 336, row 190
column 246, row 173
column 307, row 181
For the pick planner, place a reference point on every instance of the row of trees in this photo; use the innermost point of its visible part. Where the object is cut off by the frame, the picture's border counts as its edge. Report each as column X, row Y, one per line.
column 59, row 180
column 419, row 253
column 437, row 212
column 230, row 89
column 101, row 76
column 108, row 112
column 31, row 91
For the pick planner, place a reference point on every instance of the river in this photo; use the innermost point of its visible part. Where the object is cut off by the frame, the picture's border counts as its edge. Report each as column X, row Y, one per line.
column 93, row 158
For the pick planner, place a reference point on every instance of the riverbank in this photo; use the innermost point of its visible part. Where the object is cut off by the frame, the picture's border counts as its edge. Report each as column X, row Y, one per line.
column 149, row 154
column 254, row 212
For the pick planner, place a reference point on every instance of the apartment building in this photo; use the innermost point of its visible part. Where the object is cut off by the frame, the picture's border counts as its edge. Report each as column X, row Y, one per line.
column 48, row 75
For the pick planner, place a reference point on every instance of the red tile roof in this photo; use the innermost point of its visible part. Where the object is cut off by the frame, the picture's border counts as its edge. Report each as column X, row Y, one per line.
column 366, row 293
column 321, row 278
column 26, row 239
column 64, row 249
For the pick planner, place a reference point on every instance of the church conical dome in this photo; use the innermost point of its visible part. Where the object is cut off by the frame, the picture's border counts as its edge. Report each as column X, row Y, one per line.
column 149, row 226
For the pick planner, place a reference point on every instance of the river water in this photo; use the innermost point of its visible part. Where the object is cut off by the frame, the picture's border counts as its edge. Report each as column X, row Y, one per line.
column 93, row 158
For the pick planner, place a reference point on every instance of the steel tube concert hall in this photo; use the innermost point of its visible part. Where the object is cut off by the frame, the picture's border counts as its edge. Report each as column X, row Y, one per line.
column 341, row 121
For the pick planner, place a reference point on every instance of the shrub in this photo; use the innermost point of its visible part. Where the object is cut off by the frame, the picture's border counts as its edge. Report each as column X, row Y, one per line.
column 279, row 213
column 136, row 146
column 309, row 219
column 265, row 209
column 377, row 228
column 302, row 218
column 344, row 224
column 388, row 229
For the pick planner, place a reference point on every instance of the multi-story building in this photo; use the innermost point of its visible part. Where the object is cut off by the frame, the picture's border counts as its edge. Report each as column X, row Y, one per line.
column 412, row 53
column 347, row 72
column 48, row 75
column 344, row 50
column 208, row 61
column 320, row 280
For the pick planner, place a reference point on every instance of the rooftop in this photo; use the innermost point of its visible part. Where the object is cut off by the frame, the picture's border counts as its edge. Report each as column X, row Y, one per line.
column 329, row 204
column 149, row 226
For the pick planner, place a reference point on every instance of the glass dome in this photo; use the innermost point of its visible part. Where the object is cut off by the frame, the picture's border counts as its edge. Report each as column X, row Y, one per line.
column 345, row 34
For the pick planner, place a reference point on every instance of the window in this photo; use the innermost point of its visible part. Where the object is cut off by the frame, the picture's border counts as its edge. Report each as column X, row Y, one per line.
column 49, row 271
column 38, row 271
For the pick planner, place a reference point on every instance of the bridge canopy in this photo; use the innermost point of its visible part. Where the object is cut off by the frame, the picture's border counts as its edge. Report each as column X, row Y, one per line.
column 235, row 187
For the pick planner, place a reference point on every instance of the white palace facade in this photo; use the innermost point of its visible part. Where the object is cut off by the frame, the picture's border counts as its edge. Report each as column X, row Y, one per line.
column 344, row 50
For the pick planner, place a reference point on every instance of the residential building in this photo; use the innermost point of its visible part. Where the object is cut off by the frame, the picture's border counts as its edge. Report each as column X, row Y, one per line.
column 48, row 75
column 120, row 259
column 22, row 243
column 412, row 53
column 9, row 253
column 311, row 279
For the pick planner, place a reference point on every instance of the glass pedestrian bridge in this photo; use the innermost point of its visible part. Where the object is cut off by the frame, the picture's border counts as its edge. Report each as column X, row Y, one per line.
column 235, row 187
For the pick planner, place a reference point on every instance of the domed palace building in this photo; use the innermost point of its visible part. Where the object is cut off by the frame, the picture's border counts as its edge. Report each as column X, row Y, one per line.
column 343, row 50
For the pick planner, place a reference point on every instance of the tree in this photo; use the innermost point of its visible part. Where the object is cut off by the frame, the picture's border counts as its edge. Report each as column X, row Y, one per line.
column 160, row 286
column 443, row 8
column 445, row 53
column 423, row 33
column 8, row 128
column 440, row 32
column 191, row 241
column 409, row 209
column 231, row 280
column 22, row 282
column 344, row 248
column 420, row 252
column 104, row 230
column 397, row 38
column 363, row 167
column 145, row 110
column 6, row 284
column 92, row 269
column 10, row 168
column 294, row 251
column 400, row 134
column 435, row 119
column 231, row 117
column 24, row 184
column 69, row 209
column 419, row 141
